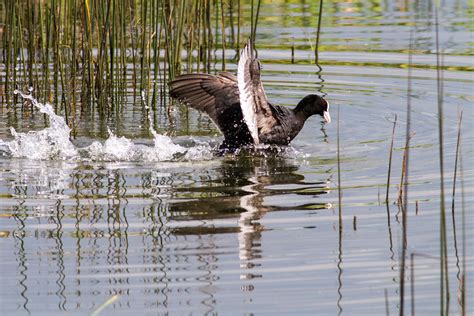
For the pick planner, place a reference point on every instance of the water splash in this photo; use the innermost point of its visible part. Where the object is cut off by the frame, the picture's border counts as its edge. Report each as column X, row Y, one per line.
column 123, row 149
column 53, row 143
column 50, row 143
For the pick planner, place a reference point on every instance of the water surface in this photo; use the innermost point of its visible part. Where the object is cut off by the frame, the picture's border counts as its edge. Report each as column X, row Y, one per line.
column 146, row 223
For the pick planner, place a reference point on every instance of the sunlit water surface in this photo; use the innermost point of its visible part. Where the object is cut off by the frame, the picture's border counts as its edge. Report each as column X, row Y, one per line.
column 132, row 220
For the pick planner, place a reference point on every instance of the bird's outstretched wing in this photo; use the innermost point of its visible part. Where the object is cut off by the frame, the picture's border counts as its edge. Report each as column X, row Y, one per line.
column 256, row 110
column 207, row 93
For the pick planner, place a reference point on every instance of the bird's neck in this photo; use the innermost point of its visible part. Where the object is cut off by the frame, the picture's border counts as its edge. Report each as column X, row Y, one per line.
column 301, row 112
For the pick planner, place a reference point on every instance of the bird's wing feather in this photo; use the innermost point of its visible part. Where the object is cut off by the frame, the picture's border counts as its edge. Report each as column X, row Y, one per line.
column 207, row 93
column 256, row 110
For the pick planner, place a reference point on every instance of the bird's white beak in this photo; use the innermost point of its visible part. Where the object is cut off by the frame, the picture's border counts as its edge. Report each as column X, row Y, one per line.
column 327, row 117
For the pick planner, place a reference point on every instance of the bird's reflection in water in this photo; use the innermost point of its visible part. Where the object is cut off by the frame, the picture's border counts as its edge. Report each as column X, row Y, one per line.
column 265, row 173
column 250, row 231
column 240, row 190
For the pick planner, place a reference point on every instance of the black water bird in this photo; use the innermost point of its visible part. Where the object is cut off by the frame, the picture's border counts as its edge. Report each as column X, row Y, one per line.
column 239, row 106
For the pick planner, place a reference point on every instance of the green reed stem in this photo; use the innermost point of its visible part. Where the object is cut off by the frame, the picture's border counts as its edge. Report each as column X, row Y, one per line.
column 231, row 20
column 8, row 44
column 458, row 143
column 339, row 189
column 74, row 59
column 252, row 34
column 122, row 72
column 405, row 169
column 318, row 31
column 216, row 24
column 179, row 37
column 223, row 35
column 239, row 16
column 463, row 220
column 390, row 160
column 131, row 10
column 143, row 19
column 56, row 9
column 63, row 89
column 455, row 178
column 254, row 30
column 210, row 37
column 444, row 285
column 31, row 49
column 340, row 226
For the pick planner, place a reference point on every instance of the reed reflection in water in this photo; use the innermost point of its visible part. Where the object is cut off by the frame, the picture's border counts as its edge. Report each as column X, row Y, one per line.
column 151, row 238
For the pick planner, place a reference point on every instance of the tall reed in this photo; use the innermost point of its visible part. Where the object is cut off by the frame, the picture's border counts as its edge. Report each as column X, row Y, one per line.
column 340, row 224
column 339, row 187
column 87, row 55
column 318, row 32
column 463, row 230
column 390, row 161
column 453, row 196
column 405, row 169
column 444, row 277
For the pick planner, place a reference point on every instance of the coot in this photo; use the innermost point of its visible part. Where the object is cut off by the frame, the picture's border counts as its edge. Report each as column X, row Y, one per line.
column 239, row 106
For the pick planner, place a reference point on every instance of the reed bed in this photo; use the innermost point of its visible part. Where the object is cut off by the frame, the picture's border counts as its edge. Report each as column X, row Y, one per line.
column 91, row 56
column 87, row 53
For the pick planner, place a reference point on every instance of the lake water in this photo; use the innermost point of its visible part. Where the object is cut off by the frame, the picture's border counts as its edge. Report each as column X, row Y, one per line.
column 130, row 221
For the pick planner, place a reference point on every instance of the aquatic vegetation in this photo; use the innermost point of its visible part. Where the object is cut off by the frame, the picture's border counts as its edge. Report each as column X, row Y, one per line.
column 85, row 52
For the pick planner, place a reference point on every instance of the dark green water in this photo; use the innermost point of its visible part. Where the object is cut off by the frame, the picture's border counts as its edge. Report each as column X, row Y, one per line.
column 144, row 225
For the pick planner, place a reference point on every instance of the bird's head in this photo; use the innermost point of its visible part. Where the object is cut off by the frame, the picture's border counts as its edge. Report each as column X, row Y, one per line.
column 314, row 104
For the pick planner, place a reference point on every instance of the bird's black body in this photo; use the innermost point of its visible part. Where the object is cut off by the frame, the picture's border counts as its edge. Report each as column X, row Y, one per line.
column 236, row 132
column 251, row 120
